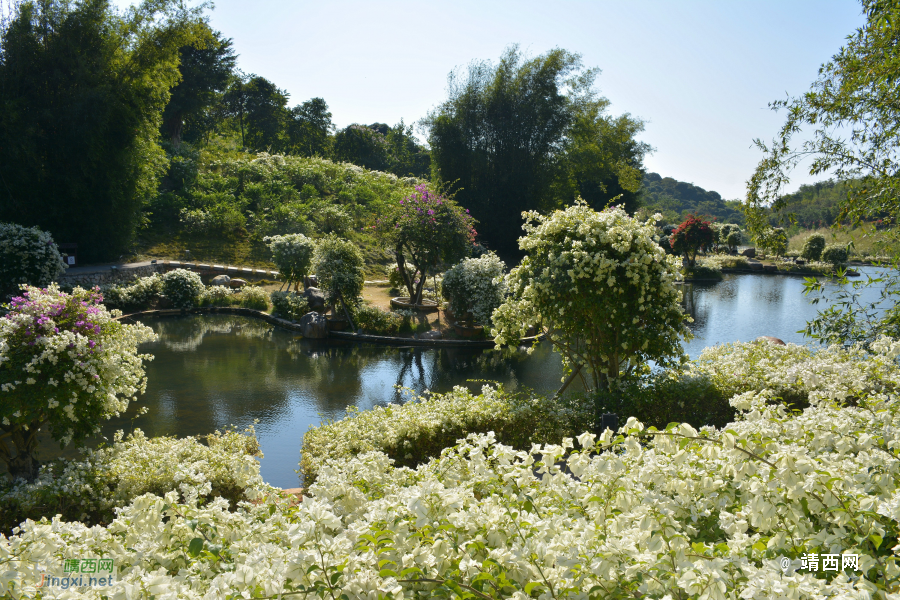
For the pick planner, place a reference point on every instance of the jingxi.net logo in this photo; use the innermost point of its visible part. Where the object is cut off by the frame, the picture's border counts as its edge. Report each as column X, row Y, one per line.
column 81, row 572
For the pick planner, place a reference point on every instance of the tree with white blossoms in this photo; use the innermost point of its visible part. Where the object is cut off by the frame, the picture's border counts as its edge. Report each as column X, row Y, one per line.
column 65, row 363
column 340, row 267
column 27, row 255
column 293, row 255
column 602, row 288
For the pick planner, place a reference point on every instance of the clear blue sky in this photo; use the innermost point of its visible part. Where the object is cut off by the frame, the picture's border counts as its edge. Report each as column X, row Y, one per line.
column 701, row 73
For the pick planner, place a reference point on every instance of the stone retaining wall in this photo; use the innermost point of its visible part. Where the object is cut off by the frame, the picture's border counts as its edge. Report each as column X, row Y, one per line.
column 124, row 275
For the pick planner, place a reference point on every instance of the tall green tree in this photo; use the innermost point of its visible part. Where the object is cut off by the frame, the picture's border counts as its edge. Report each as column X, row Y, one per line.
column 309, row 129
column 82, row 89
column 206, row 67
column 363, row 146
column 260, row 109
column 528, row 134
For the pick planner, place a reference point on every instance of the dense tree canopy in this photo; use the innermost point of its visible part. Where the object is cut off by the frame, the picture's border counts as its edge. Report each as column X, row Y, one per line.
column 81, row 93
column 530, row 133
column 309, row 129
column 678, row 199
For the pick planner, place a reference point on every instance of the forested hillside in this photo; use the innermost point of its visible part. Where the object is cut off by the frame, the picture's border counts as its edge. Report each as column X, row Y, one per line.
column 677, row 199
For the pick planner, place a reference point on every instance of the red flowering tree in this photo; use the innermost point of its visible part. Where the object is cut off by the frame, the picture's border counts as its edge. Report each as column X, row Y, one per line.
column 426, row 229
column 690, row 237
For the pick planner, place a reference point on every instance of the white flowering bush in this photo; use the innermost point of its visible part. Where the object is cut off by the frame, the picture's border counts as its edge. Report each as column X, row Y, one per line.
column 65, row 364
column 340, row 268
column 139, row 294
column 372, row 319
column 776, row 505
column 217, row 295
column 182, row 288
column 89, row 488
column 413, row 432
column 724, row 261
column 254, row 297
column 289, row 305
column 27, row 255
column 602, row 287
column 477, row 286
column 292, row 254
column 815, row 266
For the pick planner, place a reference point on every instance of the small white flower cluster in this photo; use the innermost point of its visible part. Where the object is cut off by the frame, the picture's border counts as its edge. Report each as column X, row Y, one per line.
column 340, row 268
column 216, row 295
column 91, row 487
column 27, row 255
column 476, row 285
column 182, row 288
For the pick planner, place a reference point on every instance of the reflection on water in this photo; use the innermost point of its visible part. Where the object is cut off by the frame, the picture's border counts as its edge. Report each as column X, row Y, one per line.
column 213, row 371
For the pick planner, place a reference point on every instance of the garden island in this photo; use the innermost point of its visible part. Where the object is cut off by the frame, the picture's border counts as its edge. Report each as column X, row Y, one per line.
column 147, row 181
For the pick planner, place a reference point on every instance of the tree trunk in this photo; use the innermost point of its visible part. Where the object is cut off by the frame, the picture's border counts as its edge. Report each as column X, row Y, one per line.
column 24, row 466
column 401, row 268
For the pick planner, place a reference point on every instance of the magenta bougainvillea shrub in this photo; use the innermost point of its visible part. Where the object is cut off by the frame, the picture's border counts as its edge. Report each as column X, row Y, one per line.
column 66, row 364
column 690, row 237
column 426, row 229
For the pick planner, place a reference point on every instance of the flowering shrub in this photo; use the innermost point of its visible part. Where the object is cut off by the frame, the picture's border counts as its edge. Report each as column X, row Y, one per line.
column 217, row 295
column 814, row 266
column 722, row 261
column 425, row 228
column 602, row 287
column 182, row 288
column 678, row 513
column 64, row 363
column 140, row 294
column 289, row 305
column 413, row 432
column 27, row 255
column 813, row 247
column 292, row 254
column 254, row 297
column 89, row 488
column 217, row 220
column 381, row 322
column 835, row 254
column 476, row 285
column 693, row 235
column 340, row 268
column 704, row 272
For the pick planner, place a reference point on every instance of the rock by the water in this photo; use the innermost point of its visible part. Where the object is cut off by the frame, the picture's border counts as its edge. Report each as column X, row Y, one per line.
column 772, row 340
column 313, row 325
column 749, row 253
column 236, row 283
column 222, row 280
column 310, row 281
column 434, row 334
column 314, row 298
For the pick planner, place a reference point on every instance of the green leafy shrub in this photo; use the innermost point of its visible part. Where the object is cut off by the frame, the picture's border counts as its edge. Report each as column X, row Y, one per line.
column 293, row 254
column 723, row 261
column 27, row 256
column 289, row 305
column 704, row 271
column 340, row 268
column 140, row 294
column 182, row 288
column 219, row 219
column 380, row 322
column 835, row 254
column 412, row 433
column 813, row 247
column 773, row 240
column 89, row 488
column 254, row 297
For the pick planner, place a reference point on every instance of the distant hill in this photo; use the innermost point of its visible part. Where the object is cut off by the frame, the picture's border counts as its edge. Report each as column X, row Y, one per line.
column 677, row 199
column 814, row 205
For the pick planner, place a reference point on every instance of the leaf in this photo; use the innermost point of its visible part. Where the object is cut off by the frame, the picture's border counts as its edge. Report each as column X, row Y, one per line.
column 195, row 547
column 387, row 573
column 530, row 586
column 876, row 540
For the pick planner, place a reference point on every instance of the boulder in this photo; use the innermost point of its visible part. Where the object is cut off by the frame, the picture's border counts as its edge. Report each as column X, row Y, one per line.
column 236, row 283
column 772, row 340
column 314, row 298
column 749, row 253
column 434, row 334
column 222, row 280
column 314, row 325
column 310, row 281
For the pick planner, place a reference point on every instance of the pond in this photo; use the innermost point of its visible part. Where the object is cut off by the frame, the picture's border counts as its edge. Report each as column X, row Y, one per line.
column 214, row 371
